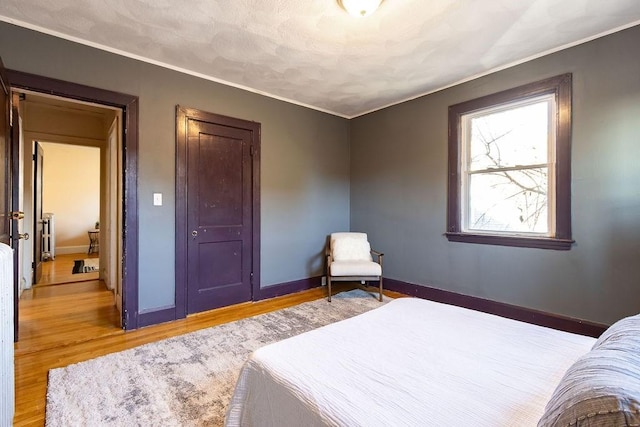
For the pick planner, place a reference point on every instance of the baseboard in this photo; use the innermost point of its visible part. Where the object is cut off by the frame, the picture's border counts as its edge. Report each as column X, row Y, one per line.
column 168, row 313
column 524, row 314
column 156, row 315
column 536, row 317
column 288, row 288
column 65, row 250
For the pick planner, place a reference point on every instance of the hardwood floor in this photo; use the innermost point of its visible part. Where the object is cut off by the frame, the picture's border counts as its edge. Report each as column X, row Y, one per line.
column 60, row 270
column 59, row 322
column 61, row 315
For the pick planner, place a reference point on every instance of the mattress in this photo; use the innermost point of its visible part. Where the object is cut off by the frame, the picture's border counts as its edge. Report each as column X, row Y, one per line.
column 410, row 362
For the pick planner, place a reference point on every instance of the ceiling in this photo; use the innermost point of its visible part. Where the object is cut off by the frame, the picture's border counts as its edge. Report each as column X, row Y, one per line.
column 312, row 53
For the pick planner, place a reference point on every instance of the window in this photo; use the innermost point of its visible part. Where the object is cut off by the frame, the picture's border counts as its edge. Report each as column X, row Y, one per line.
column 510, row 167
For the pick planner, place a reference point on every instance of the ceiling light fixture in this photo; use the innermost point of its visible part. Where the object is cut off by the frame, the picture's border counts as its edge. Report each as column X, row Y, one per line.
column 360, row 8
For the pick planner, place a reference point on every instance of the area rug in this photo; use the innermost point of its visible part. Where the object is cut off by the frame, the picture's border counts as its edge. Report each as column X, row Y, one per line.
column 87, row 265
column 186, row 380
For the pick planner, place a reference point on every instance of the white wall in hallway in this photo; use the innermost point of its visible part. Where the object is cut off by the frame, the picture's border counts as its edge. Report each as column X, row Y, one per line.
column 71, row 176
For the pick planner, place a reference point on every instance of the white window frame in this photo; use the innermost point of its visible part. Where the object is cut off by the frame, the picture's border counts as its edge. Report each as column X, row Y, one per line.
column 465, row 166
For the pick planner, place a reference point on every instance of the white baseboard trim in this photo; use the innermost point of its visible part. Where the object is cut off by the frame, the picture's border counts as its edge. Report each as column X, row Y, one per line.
column 65, row 250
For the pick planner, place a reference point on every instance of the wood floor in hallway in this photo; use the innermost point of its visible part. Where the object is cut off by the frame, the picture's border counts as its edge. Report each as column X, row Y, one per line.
column 60, row 270
column 61, row 315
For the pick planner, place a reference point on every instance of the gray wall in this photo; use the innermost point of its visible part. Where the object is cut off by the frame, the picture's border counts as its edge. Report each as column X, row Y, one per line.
column 398, row 171
column 399, row 191
column 304, row 168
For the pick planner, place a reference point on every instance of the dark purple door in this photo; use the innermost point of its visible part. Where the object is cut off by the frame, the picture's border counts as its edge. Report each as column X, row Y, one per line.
column 14, row 156
column 6, row 186
column 219, row 215
column 5, row 158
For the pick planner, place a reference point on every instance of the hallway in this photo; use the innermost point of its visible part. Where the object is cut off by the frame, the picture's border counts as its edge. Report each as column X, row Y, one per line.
column 57, row 316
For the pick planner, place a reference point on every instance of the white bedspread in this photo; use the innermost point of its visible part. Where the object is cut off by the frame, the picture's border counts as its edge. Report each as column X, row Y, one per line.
column 411, row 362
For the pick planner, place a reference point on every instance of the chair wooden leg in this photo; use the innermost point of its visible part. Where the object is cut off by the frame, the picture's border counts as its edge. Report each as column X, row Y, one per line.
column 380, row 288
column 329, row 286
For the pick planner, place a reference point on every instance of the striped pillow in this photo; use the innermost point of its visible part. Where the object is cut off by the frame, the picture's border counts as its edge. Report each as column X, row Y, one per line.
column 602, row 388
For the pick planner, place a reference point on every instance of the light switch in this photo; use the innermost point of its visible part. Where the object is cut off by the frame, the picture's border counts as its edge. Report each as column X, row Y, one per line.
column 157, row 199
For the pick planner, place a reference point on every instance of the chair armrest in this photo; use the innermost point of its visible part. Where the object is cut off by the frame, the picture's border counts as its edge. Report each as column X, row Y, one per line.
column 379, row 255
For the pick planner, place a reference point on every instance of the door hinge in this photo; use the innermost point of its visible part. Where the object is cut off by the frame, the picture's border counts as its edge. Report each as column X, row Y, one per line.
column 33, row 265
column 251, row 277
column 125, row 320
column 34, row 157
column 252, row 151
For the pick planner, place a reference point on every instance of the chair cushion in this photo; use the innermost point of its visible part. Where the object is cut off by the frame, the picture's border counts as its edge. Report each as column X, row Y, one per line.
column 352, row 234
column 350, row 249
column 355, row 268
column 346, row 234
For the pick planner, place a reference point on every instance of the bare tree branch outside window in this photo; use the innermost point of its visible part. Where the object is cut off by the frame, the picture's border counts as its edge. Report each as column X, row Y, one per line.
column 508, row 169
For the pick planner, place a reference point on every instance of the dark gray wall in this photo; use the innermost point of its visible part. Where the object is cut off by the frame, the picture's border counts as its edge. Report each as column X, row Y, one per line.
column 398, row 177
column 304, row 168
column 399, row 191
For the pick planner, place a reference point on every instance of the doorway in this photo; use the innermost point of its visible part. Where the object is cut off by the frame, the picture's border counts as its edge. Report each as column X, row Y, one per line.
column 120, row 270
column 66, row 187
column 67, row 205
column 67, row 195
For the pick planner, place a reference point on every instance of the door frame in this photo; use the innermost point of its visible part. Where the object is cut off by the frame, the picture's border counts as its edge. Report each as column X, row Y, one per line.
column 38, row 192
column 13, row 177
column 129, row 106
column 183, row 115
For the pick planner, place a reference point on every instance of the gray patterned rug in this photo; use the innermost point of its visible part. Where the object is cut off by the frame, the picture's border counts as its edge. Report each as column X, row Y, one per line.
column 186, row 380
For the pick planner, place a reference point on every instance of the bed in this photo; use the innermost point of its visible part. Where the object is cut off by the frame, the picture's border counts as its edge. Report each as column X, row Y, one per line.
column 409, row 362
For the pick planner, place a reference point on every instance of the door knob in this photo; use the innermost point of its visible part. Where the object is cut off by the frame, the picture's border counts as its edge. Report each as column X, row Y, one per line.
column 24, row 236
column 194, row 233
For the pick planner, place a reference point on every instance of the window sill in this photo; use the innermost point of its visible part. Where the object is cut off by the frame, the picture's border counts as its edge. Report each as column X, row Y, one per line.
column 517, row 241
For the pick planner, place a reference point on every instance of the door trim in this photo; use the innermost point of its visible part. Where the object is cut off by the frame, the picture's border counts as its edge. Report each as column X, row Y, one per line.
column 129, row 106
column 183, row 115
column 13, row 175
column 37, row 168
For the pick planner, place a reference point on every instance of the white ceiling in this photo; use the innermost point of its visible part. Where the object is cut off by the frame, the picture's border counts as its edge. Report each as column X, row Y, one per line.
column 312, row 53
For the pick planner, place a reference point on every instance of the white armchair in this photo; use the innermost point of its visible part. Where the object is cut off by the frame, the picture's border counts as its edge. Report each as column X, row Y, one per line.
column 349, row 258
